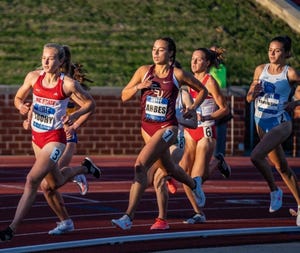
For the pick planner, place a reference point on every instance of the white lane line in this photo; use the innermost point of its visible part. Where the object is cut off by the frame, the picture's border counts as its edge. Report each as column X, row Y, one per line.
column 12, row 186
column 85, row 199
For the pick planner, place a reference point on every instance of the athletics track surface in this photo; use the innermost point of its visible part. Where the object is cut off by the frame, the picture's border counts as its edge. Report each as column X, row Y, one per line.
column 236, row 211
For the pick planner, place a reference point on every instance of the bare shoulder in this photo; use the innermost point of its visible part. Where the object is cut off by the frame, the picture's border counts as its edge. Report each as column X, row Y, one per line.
column 185, row 77
column 31, row 77
column 69, row 85
column 140, row 73
column 69, row 80
column 293, row 75
column 260, row 67
column 292, row 70
column 142, row 70
column 212, row 84
column 33, row 74
column 258, row 71
column 179, row 73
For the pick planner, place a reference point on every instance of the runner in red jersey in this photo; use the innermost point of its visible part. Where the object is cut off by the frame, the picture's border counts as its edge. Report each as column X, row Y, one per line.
column 51, row 90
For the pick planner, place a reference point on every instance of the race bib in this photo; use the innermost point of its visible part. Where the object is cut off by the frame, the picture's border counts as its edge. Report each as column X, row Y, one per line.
column 56, row 154
column 207, row 132
column 43, row 117
column 156, row 108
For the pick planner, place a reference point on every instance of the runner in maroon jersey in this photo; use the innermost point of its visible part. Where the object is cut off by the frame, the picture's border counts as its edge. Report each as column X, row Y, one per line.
column 159, row 84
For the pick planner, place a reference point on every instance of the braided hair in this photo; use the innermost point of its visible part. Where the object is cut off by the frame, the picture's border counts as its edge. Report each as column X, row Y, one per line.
column 171, row 47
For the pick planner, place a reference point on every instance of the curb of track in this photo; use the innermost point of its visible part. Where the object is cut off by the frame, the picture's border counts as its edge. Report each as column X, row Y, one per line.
column 151, row 237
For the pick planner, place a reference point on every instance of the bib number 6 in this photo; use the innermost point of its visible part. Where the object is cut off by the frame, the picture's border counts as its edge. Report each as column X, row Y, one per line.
column 208, row 132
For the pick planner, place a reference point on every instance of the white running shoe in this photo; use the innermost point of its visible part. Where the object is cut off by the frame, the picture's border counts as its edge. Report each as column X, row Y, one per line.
column 124, row 222
column 276, row 200
column 296, row 213
column 196, row 219
column 198, row 192
column 62, row 227
column 82, row 183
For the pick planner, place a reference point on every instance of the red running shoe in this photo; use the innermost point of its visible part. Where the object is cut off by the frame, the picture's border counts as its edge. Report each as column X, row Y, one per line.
column 172, row 185
column 160, row 224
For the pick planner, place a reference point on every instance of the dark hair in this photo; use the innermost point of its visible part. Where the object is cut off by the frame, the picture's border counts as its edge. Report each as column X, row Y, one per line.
column 177, row 64
column 171, row 47
column 66, row 66
column 286, row 42
column 219, row 52
column 78, row 73
column 210, row 56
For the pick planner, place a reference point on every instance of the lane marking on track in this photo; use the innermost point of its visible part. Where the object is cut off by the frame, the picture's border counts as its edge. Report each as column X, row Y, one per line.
column 12, row 186
column 221, row 221
column 85, row 199
column 151, row 237
column 114, row 213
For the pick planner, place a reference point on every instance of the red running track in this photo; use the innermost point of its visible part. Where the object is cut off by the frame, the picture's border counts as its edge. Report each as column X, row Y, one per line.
column 236, row 212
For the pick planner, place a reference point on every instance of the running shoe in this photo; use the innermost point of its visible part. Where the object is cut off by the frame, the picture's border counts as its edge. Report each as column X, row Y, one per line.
column 196, row 219
column 62, row 227
column 92, row 168
column 160, row 224
column 124, row 222
column 223, row 167
column 172, row 185
column 82, row 184
column 198, row 192
column 276, row 200
column 7, row 234
column 296, row 213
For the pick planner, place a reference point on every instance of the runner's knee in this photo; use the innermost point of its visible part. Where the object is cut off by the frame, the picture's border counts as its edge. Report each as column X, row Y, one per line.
column 31, row 182
column 45, row 186
column 140, row 174
column 256, row 157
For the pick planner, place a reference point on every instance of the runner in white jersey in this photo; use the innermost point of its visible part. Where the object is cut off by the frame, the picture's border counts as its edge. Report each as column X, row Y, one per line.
column 270, row 103
column 200, row 142
column 270, row 90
